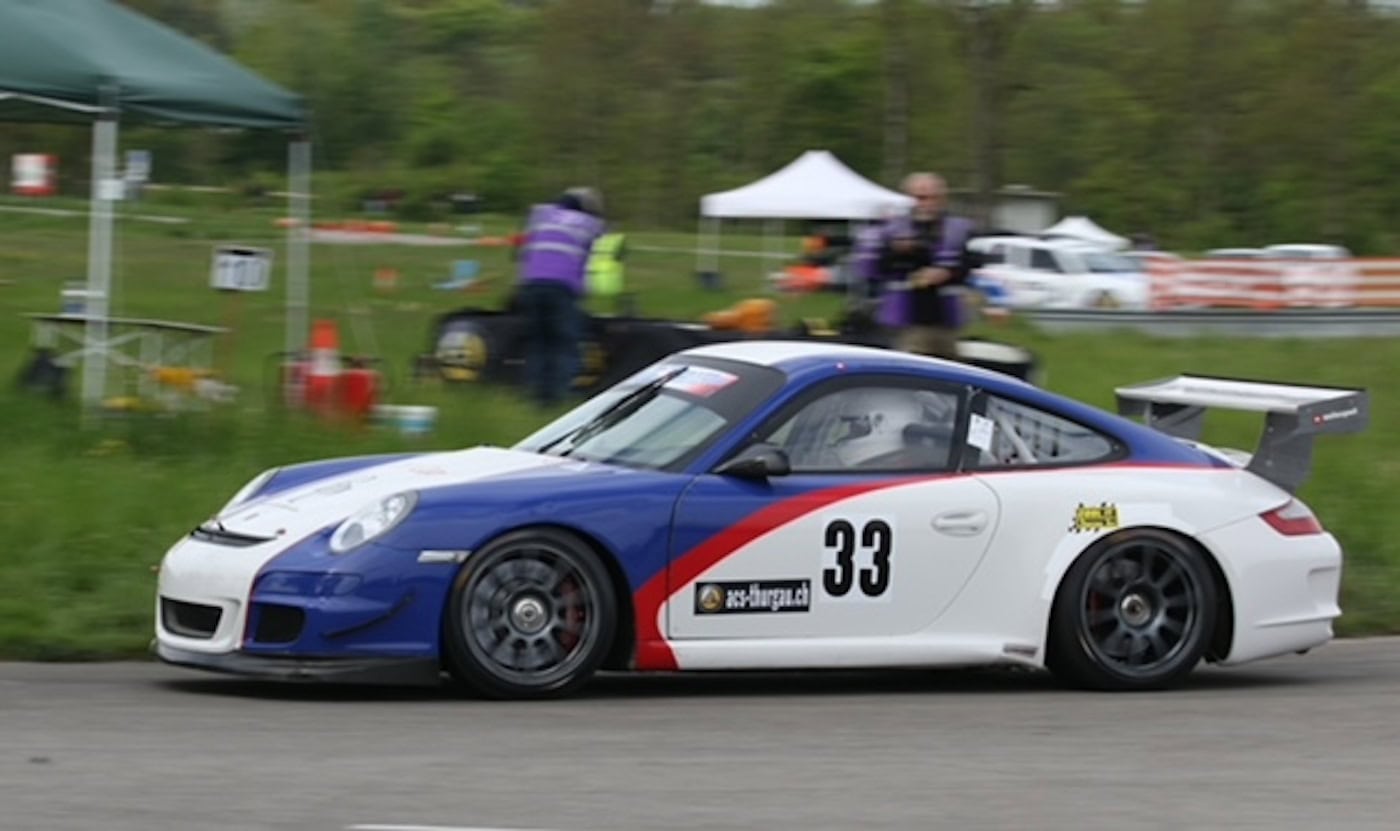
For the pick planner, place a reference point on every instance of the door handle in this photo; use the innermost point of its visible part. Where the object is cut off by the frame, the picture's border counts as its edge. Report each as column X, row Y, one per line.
column 961, row 523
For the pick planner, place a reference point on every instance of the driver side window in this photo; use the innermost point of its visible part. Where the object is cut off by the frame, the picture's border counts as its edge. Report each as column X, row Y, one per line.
column 873, row 428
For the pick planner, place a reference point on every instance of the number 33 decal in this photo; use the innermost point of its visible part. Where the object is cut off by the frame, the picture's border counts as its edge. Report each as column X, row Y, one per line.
column 843, row 540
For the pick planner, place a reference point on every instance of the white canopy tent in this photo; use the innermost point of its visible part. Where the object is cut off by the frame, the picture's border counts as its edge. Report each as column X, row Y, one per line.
column 1083, row 228
column 815, row 185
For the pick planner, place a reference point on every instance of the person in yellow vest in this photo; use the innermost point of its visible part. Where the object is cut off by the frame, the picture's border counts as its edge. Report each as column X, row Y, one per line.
column 605, row 268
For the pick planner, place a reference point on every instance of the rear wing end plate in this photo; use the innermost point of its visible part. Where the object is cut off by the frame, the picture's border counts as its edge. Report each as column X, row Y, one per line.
column 1293, row 416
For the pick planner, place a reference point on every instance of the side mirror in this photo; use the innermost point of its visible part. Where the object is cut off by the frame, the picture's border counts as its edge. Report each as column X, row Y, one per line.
column 757, row 462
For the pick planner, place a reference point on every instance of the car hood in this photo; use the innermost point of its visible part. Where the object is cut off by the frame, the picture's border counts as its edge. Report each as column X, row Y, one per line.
column 297, row 512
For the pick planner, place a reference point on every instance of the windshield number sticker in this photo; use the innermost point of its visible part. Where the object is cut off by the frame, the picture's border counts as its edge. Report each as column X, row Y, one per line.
column 701, row 381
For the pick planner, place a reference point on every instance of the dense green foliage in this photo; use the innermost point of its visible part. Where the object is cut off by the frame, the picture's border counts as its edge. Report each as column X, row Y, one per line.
column 1205, row 122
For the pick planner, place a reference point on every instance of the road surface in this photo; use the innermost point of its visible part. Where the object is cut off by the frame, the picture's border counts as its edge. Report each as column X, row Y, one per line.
column 1299, row 742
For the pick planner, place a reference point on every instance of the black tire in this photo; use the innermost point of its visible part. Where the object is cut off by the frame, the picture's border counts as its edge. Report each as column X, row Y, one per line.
column 467, row 352
column 1015, row 361
column 1105, row 300
column 1135, row 612
column 532, row 615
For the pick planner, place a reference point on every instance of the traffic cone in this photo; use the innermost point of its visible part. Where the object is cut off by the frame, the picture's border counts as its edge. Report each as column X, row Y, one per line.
column 323, row 375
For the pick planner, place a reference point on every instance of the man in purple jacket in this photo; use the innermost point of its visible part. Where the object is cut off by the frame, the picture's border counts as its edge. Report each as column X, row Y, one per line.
column 553, row 262
column 923, row 256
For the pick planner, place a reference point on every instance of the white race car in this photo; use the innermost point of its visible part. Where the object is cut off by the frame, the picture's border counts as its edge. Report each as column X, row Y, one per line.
column 760, row 505
column 1030, row 273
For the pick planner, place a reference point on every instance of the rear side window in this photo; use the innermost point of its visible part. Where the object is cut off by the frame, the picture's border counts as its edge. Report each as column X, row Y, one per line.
column 1006, row 433
column 1042, row 260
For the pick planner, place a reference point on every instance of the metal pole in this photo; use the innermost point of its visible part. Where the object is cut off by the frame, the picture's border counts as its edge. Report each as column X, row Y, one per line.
column 716, row 229
column 700, row 245
column 99, row 276
column 298, row 242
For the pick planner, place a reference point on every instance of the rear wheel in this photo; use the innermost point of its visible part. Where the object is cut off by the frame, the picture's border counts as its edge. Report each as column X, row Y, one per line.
column 532, row 615
column 1134, row 612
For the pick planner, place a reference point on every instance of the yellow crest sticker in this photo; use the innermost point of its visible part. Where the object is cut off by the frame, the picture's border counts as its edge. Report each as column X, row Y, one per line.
column 1100, row 517
column 709, row 598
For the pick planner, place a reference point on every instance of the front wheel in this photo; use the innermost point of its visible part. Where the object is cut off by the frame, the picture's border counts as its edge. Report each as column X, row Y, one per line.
column 1105, row 300
column 531, row 615
column 1134, row 612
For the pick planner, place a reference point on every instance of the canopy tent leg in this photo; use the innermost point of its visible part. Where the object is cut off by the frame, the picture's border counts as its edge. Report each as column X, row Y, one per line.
column 772, row 249
column 99, row 276
column 707, row 252
column 700, row 245
column 298, row 242
column 716, row 230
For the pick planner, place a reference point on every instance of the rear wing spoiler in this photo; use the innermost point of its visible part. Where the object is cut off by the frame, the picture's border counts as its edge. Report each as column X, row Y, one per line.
column 1294, row 415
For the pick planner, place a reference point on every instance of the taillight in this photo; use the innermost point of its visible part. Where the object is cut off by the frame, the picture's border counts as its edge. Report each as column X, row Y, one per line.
column 1292, row 519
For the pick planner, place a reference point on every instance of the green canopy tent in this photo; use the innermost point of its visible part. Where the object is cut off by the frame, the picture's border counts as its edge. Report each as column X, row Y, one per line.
column 80, row 61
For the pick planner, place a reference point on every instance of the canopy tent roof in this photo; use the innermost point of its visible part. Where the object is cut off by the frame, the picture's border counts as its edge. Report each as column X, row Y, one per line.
column 67, row 60
column 816, row 185
column 1083, row 228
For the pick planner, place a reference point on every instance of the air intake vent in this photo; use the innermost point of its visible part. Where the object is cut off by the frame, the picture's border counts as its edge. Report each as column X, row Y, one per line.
column 277, row 624
column 189, row 620
column 216, row 534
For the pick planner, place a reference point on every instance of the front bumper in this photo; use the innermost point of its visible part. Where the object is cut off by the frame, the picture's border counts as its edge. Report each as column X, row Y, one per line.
column 298, row 612
column 394, row 671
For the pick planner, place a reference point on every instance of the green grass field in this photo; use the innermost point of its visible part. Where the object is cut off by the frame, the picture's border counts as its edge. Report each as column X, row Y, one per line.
column 88, row 510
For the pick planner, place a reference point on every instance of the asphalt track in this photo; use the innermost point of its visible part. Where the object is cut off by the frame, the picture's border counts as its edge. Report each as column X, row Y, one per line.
column 1298, row 742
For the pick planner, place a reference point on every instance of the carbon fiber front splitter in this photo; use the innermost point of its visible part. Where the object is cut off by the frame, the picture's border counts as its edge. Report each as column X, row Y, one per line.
column 395, row 671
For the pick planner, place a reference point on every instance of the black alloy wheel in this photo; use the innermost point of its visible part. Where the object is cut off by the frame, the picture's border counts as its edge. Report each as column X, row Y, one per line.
column 1135, row 612
column 532, row 615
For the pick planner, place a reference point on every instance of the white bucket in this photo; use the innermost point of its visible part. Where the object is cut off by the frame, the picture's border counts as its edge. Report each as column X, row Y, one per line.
column 75, row 298
column 410, row 420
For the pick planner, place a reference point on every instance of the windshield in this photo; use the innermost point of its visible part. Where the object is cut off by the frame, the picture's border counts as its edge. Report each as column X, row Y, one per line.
column 661, row 417
column 1110, row 263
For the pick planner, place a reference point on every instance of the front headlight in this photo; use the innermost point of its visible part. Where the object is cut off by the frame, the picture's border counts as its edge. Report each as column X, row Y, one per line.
column 253, row 486
column 372, row 521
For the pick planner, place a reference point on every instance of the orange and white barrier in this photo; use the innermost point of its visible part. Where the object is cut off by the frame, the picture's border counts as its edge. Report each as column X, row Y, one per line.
column 34, row 174
column 1273, row 284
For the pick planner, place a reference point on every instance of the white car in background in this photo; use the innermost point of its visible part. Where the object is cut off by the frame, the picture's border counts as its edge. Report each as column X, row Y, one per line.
column 1316, row 275
column 1289, row 275
column 1235, row 254
column 1028, row 273
column 1307, row 251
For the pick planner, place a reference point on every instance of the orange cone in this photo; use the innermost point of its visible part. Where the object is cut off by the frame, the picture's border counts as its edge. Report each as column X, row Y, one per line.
column 323, row 375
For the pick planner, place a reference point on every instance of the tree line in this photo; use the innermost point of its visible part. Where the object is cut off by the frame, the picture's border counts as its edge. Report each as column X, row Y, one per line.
column 1202, row 122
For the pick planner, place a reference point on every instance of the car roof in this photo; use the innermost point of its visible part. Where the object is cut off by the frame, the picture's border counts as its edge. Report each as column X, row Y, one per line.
column 1307, row 248
column 1044, row 242
column 816, row 358
column 794, row 355
column 1076, row 243
column 1234, row 252
column 824, row 360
